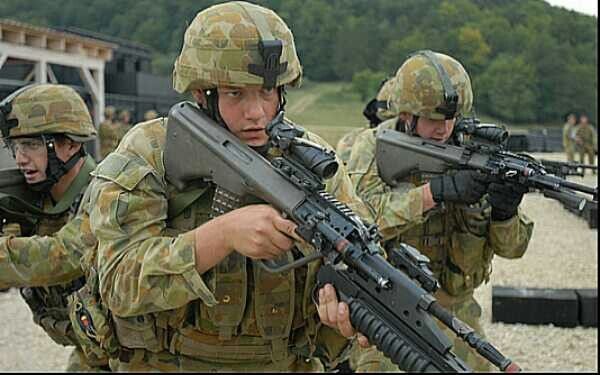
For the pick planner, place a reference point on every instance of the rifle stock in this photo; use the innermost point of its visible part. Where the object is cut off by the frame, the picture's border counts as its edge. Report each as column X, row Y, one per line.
column 17, row 201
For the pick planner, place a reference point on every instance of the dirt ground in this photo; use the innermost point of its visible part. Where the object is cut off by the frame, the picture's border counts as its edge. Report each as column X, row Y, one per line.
column 563, row 253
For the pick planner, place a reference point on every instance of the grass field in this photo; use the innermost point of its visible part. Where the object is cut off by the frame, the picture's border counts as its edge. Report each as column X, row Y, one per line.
column 328, row 109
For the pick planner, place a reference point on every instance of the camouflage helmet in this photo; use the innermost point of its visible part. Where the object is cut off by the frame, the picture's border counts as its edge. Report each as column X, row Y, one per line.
column 109, row 111
column 432, row 85
column 236, row 44
column 150, row 115
column 49, row 109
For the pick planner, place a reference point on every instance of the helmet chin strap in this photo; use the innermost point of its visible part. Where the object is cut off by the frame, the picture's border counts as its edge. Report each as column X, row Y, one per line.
column 212, row 110
column 406, row 127
column 56, row 168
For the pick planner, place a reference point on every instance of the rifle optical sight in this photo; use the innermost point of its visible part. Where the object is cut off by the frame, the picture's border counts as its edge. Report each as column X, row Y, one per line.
column 286, row 137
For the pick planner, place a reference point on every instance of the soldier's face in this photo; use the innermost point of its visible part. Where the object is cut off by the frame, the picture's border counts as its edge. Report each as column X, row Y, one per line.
column 247, row 111
column 437, row 130
column 31, row 155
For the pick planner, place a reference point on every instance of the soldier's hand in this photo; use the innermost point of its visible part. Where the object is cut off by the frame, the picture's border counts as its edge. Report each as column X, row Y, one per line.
column 259, row 231
column 336, row 315
column 505, row 199
column 466, row 186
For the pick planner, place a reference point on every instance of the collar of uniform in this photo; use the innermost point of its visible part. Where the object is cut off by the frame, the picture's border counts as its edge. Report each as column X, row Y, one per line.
column 77, row 186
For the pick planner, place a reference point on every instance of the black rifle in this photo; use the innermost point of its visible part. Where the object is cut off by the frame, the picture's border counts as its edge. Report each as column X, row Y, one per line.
column 565, row 168
column 18, row 203
column 399, row 155
column 392, row 308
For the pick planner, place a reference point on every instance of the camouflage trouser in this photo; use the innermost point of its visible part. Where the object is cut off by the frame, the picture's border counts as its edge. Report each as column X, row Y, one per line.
column 370, row 360
column 469, row 311
column 78, row 363
column 145, row 361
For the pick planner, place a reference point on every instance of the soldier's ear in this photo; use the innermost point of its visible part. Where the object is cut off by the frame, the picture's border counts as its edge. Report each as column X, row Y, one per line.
column 199, row 97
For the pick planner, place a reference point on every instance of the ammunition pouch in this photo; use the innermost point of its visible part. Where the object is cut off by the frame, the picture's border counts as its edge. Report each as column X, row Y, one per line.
column 92, row 326
column 468, row 264
column 49, row 308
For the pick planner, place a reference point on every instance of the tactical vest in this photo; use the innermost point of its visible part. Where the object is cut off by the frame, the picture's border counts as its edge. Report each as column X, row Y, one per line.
column 454, row 238
column 49, row 304
column 260, row 316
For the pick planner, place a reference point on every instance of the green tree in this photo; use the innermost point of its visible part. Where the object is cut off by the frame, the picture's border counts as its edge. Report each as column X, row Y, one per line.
column 366, row 83
column 507, row 89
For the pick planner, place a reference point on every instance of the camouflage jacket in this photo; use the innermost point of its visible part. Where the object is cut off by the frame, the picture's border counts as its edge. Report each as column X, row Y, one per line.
column 47, row 265
column 146, row 268
column 460, row 241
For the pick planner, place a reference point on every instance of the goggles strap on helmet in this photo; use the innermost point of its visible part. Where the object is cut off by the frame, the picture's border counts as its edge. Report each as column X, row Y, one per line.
column 450, row 105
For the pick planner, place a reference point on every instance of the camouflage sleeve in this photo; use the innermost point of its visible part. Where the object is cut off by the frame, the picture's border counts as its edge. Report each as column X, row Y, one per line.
column 141, row 270
column 395, row 209
column 510, row 238
column 45, row 260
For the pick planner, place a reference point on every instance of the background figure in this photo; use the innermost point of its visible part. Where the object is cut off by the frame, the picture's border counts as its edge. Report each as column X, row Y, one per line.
column 569, row 136
column 150, row 115
column 586, row 141
column 112, row 130
column 124, row 122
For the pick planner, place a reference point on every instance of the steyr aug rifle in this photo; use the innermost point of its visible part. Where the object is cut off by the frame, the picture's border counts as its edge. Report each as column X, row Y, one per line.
column 481, row 147
column 390, row 300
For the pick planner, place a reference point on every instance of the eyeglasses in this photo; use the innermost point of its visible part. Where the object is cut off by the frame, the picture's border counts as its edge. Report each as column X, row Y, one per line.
column 27, row 146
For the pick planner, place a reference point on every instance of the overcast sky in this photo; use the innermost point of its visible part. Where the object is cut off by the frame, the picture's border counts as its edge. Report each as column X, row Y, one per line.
column 583, row 6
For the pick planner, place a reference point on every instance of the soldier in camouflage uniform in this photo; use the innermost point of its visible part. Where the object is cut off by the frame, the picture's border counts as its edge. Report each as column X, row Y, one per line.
column 449, row 218
column 112, row 131
column 108, row 131
column 45, row 127
column 586, row 142
column 183, row 289
column 569, row 131
column 376, row 111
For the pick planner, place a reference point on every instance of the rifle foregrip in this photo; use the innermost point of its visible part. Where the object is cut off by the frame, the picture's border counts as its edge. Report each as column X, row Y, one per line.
column 391, row 344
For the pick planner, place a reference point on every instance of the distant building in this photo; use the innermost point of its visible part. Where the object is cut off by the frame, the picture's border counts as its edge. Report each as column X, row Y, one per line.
column 104, row 70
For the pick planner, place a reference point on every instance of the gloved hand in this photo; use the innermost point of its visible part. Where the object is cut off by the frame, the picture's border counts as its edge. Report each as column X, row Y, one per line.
column 466, row 186
column 505, row 199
